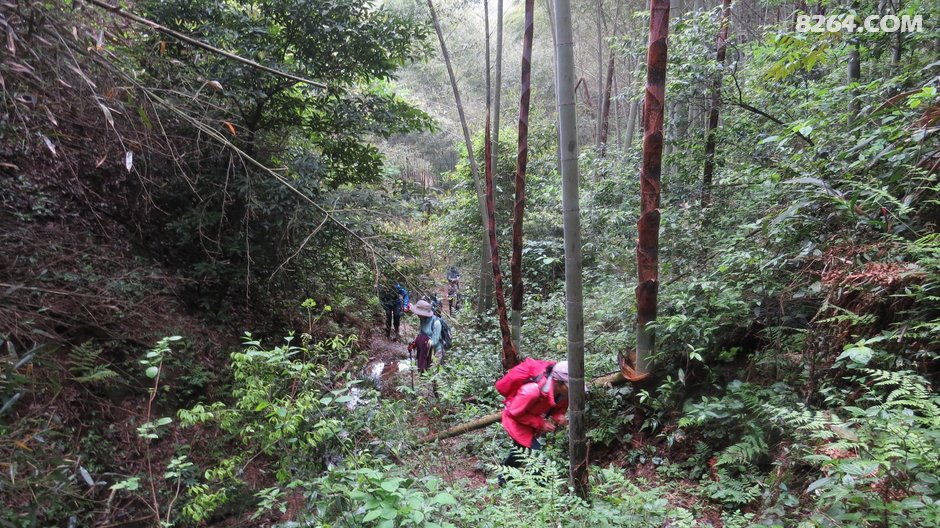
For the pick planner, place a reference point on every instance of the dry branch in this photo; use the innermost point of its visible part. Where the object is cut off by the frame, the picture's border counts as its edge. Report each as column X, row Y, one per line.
column 198, row 43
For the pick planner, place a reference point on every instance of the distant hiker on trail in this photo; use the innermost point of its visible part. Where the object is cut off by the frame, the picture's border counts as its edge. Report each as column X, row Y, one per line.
column 436, row 304
column 428, row 340
column 427, row 207
column 453, row 290
column 394, row 299
column 534, row 390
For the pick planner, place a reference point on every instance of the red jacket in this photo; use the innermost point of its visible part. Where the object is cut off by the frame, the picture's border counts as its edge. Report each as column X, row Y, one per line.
column 525, row 412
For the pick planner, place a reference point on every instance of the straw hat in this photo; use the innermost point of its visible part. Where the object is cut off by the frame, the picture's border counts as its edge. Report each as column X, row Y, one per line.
column 423, row 309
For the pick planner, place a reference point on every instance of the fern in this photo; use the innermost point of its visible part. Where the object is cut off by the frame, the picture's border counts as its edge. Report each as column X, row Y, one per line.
column 87, row 365
column 748, row 449
column 734, row 489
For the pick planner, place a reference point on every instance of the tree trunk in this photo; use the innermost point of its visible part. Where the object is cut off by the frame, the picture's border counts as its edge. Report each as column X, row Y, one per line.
column 631, row 122
column 551, row 23
column 498, row 83
column 568, row 144
column 722, row 42
column 485, row 272
column 647, row 251
column 605, row 105
column 898, row 40
column 855, row 73
column 618, row 131
column 669, row 133
column 486, row 58
column 509, row 358
column 799, row 9
column 600, row 75
column 522, row 158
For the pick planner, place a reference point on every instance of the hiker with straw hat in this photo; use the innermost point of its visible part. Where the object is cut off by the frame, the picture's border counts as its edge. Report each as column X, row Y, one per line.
column 429, row 336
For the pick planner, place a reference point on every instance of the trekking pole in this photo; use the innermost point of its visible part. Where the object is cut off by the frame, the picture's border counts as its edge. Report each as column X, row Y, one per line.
column 411, row 367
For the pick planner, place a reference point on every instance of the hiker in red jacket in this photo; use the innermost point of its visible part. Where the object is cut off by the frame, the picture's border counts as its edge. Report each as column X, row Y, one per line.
column 527, row 412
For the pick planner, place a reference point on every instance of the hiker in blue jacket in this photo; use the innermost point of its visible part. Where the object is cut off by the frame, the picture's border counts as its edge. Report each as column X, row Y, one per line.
column 394, row 299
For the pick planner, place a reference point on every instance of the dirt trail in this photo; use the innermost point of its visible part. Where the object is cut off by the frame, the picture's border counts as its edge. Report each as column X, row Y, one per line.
column 449, row 460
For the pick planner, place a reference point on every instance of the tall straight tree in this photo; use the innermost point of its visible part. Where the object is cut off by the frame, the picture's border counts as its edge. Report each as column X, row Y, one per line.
column 522, row 159
column 574, row 302
column 497, row 82
column 647, row 249
column 486, row 274
column 600, row 74
column 855, row 72
column 509, row 358
column 604, row 121
column 721, row 45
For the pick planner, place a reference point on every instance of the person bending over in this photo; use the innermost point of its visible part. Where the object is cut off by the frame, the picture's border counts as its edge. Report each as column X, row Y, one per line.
column 537, row 407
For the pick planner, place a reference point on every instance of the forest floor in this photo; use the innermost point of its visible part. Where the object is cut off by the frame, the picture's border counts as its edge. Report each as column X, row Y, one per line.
column 454, row 459
column 389, row 360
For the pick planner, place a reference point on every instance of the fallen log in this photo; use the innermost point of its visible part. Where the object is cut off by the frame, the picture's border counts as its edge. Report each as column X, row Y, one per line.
column 458, row 430
column 627, row 373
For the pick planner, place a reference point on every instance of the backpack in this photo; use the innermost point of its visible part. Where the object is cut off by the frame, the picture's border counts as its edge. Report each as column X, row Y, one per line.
column 446, row 339
column 436, row 304
column 529, row 371
column 392, row 296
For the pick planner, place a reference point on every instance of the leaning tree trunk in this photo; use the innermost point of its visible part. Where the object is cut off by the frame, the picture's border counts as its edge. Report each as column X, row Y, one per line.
column 605, row 106
column 522, row 158
column 485, row 269
column 647, row 250
column 715, row 103
column 568, row 145
column 510, row 357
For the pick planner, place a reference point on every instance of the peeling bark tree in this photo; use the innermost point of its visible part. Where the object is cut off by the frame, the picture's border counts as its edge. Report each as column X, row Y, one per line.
column 647, row 250
column 574, row 303
column 510, row 357
column 721, row 46
column 485, row 274
column 522, row 159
